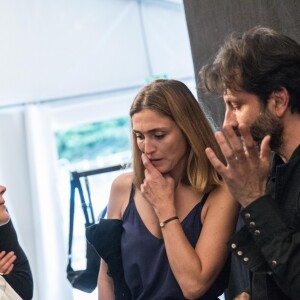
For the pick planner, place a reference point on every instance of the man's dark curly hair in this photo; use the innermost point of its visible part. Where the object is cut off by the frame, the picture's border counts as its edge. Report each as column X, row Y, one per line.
column 259, row 61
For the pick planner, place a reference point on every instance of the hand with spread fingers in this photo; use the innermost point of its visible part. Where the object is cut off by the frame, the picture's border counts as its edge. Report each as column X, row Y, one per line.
column 7, row 262
column 247, row 167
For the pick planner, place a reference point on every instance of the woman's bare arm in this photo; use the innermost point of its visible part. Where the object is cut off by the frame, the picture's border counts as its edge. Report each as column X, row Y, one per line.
column 105, row 284
column 118, row 200
column 196, row 269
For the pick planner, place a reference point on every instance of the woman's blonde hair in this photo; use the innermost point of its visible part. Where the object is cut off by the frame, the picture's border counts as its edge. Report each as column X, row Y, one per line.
column 173, row 99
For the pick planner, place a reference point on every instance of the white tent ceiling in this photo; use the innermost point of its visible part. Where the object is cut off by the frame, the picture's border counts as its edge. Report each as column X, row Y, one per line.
column 56, row 49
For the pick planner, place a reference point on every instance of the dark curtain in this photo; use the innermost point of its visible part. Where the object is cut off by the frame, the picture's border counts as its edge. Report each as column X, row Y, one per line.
column 210, row 21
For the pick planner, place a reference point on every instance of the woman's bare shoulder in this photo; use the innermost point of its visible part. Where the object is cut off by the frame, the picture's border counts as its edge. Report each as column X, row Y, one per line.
column 221, row 193
column 220, row 211
column 122, row 181
column 221, row 199
column 119, row 195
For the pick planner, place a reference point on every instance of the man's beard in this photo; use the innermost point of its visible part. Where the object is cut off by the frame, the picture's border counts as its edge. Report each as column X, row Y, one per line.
column 267, row 124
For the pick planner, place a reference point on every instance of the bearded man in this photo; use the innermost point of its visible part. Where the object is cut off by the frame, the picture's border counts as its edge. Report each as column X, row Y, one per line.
column 258, row 74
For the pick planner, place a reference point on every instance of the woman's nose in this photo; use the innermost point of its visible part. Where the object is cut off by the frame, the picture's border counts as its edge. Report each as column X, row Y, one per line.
column 148, row 146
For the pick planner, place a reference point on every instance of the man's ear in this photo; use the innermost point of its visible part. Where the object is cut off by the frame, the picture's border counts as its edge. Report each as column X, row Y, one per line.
column 279, row 102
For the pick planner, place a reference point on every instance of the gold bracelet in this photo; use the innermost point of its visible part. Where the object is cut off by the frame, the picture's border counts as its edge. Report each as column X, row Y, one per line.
column 163, row 224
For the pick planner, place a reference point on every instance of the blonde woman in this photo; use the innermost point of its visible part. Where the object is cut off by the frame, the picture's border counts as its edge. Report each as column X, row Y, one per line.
column 176, row 213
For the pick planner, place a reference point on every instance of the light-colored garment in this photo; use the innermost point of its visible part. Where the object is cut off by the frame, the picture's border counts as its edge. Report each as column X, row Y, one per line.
column 6, row 291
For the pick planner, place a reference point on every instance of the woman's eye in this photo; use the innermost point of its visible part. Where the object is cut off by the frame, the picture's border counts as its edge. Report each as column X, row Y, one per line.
column 159, row 136
column 139, row 136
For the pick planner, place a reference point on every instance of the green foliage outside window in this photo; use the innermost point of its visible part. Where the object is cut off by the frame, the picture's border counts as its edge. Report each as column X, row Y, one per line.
column 94, row 139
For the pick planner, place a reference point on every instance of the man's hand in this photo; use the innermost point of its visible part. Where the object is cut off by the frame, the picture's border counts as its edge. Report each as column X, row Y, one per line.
column 6, row 262
column 247, row 168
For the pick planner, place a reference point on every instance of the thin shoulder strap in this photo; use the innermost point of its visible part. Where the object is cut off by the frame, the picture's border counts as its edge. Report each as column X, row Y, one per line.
column 132, row 192
column 204, row 198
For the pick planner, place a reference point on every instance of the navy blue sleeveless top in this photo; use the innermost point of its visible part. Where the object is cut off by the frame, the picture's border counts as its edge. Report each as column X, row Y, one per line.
column 146, row 266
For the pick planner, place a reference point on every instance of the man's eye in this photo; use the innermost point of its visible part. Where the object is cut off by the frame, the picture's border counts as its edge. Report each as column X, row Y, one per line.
column 236, row 106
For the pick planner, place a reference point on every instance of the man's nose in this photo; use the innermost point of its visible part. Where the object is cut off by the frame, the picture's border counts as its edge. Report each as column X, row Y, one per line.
column 230, row 119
